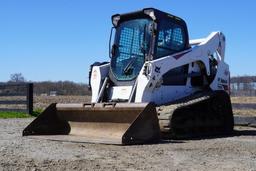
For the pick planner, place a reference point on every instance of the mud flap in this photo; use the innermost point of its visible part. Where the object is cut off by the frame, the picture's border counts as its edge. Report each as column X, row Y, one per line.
column 109, row 123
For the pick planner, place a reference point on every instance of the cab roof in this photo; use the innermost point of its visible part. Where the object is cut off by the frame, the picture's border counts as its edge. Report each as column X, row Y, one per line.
column 150, row 13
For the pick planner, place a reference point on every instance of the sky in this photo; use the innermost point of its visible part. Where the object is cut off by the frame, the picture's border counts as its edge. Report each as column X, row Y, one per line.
column 51, row 40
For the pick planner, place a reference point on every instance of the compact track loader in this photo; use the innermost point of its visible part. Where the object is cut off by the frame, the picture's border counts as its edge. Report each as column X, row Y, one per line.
column 158, row 84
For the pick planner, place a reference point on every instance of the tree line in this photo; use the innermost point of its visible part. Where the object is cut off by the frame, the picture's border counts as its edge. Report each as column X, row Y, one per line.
column 45, row 87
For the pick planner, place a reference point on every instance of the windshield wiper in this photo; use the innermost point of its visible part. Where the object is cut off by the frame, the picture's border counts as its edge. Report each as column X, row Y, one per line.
column 127, row 69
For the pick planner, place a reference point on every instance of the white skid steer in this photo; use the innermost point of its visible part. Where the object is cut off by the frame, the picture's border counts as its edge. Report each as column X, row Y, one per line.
column 157, row 84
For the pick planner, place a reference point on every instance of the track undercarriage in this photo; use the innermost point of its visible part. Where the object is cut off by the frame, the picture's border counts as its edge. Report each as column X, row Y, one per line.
column 203, row 114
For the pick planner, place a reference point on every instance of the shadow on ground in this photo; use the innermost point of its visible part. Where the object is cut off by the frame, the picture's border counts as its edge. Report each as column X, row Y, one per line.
column 235, row 133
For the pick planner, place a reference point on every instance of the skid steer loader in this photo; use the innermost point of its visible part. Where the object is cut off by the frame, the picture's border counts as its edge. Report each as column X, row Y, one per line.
column 157, row 84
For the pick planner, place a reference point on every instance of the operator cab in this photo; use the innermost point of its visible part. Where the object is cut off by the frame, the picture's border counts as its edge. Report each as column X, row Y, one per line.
column 142, row 36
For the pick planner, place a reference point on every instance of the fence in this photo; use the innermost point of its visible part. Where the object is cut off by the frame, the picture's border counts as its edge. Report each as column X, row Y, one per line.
column 16, row 97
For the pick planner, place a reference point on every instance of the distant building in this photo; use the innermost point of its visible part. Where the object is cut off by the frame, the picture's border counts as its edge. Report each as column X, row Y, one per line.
column 243, row 86
column 53, row 93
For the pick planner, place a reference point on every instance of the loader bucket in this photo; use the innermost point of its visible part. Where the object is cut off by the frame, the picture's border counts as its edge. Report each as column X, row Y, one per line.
column 109, row 123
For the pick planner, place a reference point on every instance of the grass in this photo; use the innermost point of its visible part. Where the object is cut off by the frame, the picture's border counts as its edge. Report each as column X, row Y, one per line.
column 5, row 115
column 37, row 112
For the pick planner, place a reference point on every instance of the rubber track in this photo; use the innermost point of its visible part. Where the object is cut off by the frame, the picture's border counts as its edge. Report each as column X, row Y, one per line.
column 202, row 114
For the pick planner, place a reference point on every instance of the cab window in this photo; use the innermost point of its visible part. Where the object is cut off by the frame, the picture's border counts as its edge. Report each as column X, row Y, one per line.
column 171, row 39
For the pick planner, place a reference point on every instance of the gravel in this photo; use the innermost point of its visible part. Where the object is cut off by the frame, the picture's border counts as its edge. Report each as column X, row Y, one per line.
column 237, row 152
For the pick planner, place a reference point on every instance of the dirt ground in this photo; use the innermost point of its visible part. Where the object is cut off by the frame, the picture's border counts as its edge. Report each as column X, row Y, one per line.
column 237, row 152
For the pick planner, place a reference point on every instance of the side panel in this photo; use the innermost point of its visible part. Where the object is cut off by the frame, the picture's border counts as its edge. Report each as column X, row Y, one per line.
column 97, row 77
column 120, row 92
column 144, row 87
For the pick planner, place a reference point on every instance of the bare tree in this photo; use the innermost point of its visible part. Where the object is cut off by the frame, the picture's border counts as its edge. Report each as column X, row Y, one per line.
column 17, row 77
